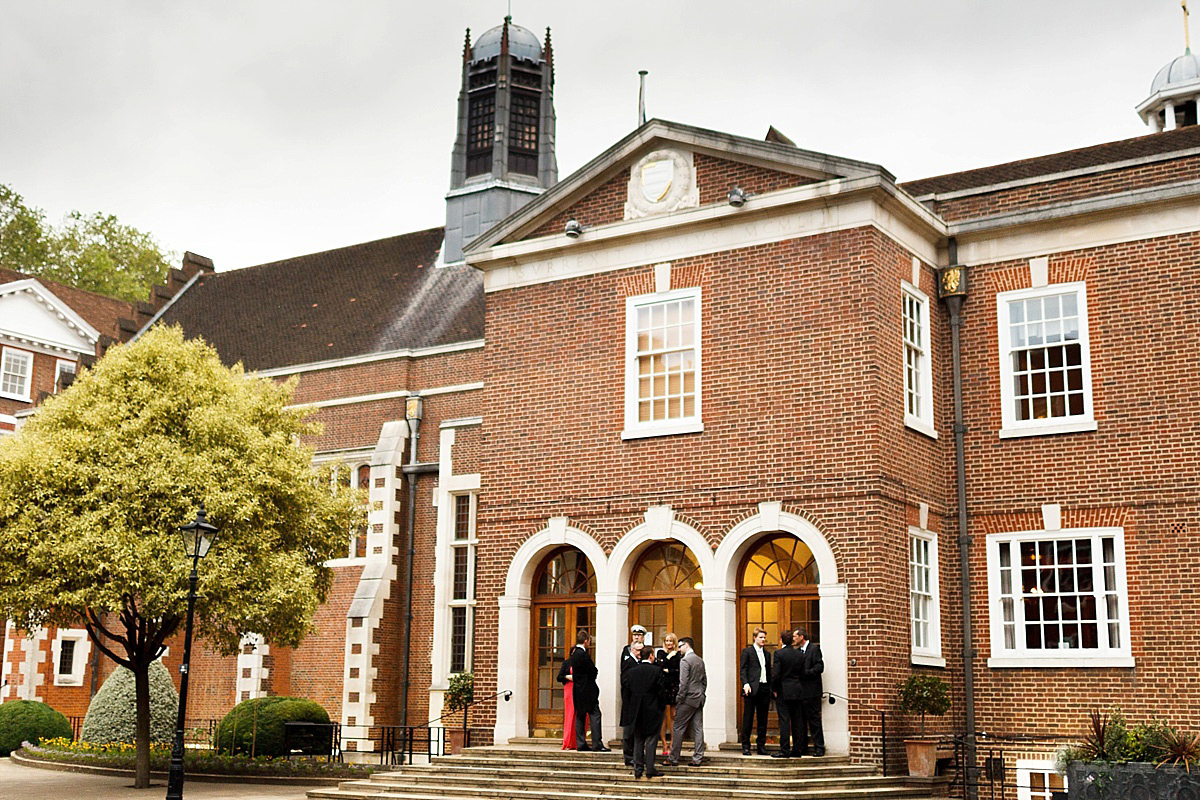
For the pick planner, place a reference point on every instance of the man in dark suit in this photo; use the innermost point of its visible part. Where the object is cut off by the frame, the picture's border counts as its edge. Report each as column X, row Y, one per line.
column 581, row 671
column 630, row 656
column 755, row 671
column 785, row 683
column 811, row 667
column 643, row 712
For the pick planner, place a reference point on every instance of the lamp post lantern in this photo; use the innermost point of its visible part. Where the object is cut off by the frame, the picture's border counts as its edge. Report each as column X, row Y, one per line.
column 197, row 536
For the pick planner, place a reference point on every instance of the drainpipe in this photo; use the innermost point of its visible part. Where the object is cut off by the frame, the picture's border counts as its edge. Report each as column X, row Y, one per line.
column 414, row 408
column 952, row 289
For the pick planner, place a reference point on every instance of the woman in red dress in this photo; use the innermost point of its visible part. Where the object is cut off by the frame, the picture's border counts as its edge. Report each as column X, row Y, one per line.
column 568, row 715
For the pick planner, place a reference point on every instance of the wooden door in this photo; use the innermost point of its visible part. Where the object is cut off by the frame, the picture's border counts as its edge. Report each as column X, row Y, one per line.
column 564, row 601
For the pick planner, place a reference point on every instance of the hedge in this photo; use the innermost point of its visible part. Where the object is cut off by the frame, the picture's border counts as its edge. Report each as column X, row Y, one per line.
column 29, row 721
column 256, row 727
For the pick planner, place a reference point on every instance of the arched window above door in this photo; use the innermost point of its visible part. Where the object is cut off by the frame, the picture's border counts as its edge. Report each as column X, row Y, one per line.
column 566, row 571
column 779, row 561
column 665, row 567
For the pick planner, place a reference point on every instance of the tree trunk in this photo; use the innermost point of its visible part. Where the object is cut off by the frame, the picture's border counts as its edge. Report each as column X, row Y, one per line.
column 141, row 682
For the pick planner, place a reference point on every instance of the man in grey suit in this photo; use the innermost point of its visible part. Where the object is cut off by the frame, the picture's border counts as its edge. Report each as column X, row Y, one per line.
column 689, row 708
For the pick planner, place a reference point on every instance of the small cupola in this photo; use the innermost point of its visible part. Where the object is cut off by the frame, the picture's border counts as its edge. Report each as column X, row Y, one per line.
column 1175, row 90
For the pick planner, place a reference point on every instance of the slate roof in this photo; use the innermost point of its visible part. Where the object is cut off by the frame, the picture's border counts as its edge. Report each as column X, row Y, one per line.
column 368, row 298
column 100, row 311
column 1140, row 147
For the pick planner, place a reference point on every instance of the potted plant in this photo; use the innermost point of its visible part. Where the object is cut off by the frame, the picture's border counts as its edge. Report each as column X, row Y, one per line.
column 923, row 694
column 459, row 694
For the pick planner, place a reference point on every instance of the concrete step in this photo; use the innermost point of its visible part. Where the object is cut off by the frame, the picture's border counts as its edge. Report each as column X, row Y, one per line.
column 589, row 785
column 521, row 771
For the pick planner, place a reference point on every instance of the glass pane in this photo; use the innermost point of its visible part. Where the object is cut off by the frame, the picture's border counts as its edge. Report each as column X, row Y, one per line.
column 666, row 566
column 566, row 572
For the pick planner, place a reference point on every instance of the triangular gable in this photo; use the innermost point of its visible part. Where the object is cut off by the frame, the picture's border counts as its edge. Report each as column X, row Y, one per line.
column 31, row 314
column 600, row 192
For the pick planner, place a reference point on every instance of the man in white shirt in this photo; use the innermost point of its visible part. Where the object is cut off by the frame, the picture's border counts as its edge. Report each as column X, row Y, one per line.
column 755, row 671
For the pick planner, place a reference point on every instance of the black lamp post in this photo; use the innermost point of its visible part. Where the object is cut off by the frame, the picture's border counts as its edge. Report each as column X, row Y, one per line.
column 198, row 536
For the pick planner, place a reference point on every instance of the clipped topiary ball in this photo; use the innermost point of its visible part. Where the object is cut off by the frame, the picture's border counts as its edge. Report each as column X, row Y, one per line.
column 257, row 726
column 29, row 721
column 112, row 714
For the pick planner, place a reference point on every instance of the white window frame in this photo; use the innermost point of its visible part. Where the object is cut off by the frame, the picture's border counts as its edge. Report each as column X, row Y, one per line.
column 1011, row 426
column 1028, row 766
column 635, row 429
column 922, row 421
column 335, row 468
column 61, row 366
column 1019, row 655
column 78, row 659
column 929, row 654
column 471, row 546
column 23, row 394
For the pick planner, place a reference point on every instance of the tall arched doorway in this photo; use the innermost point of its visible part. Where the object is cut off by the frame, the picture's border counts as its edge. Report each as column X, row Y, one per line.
column 664, row 593
column 564, row 600
column 777, row 587
column 777, row 590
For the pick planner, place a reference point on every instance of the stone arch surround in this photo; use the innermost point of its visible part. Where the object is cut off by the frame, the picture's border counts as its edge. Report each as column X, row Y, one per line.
column 719, row 613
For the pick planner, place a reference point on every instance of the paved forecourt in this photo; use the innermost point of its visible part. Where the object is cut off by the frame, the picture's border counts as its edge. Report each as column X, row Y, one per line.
column 19, row 782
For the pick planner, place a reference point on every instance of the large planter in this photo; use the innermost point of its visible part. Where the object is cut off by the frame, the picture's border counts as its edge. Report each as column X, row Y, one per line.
column 1130, row 781
column 922, row 757
column 456, row 741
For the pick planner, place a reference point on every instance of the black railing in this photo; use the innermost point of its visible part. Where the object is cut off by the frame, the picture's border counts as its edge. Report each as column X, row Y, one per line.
column 883, row 748
column 994, row 774
column 398, row 744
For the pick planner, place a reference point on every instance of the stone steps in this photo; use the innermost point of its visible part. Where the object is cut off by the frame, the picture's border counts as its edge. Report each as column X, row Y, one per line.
column 540, row 772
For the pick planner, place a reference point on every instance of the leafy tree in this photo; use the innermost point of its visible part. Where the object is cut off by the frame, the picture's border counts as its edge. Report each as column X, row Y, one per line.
column 90, row 251
column 94, row 486
column 24, row 238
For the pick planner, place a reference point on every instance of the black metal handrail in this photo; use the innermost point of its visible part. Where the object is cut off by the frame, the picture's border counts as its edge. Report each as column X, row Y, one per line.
column 990, row 778
column 833, row 698
column 409, row 737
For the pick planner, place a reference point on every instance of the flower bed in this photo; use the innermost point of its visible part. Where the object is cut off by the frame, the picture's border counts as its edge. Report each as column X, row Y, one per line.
column 121, row 755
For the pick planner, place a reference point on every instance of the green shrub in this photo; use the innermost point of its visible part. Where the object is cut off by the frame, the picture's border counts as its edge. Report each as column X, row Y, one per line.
column 112, row 714
column 460, row 693
column 924, row 694
column 1110, row 739
column 29, row 721
column 1145, row 741
column 255, row 727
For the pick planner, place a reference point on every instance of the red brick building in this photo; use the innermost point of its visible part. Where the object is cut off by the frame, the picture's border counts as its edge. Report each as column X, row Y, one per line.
column 708, row 383
column 720, row 393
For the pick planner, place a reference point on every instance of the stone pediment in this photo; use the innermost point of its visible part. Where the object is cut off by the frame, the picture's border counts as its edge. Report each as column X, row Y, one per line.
column 31, row 315
column 663, row 168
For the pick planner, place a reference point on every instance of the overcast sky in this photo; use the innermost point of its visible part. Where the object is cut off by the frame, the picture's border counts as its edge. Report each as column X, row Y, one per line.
column 255, row 130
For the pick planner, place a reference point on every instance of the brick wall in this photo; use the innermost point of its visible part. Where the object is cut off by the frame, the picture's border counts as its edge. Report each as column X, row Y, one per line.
column 803, row 403
column 1138, row 470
